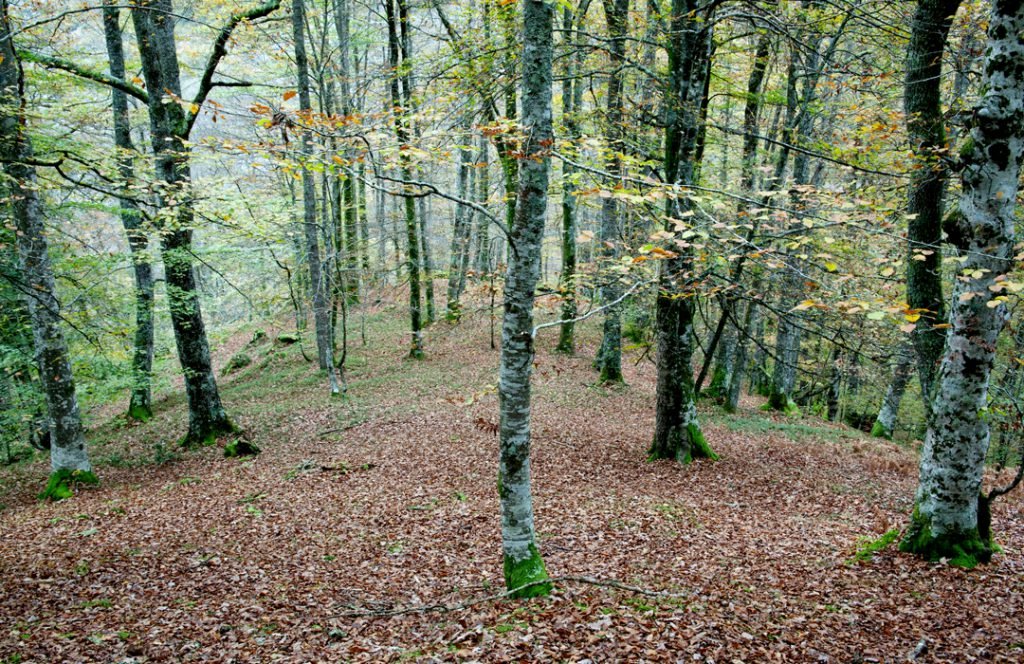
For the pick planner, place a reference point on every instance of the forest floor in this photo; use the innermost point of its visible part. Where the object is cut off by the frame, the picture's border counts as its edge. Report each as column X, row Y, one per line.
column 386, row 501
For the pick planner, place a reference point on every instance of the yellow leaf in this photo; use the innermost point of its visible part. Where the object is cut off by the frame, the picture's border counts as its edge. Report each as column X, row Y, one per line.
column 913, row 318
column 888, row 272
column 831, row 267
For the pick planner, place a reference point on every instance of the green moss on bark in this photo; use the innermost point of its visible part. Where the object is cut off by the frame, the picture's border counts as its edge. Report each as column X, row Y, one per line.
column 140, row 413
column 210, row 435
column 62, row 482
column 530, row 570
column 240, row 448
column 717, row 388
column 878, row 430
column 962, row 549
column 694, row 447
column 699, row 448
column 782, row 403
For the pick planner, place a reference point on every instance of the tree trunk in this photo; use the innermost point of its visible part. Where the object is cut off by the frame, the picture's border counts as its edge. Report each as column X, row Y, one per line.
column 572, row 100
column 609, row 356
column 523, row 563
column 400, row 105
column 922, row 103
column 318, row 276
column 739, row 368
column 460, row 236
column 483, row 236
column 946, row 522
column 677, row 433
column 169, row 127
column 140, row 406
column 885, row 423
column 69, row 459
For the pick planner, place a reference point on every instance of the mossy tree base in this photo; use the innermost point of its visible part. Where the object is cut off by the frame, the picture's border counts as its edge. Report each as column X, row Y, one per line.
column 527, row 571
column 961, row 549
column 140, row 412
column 780, row 402
column 241, row 448
column 62, row 482
column 694, row 447
column 878, row 430
column 718, row 387
column 209, row 435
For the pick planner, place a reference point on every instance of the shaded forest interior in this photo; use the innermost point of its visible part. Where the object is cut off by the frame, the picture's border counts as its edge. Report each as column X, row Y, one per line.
column 506, row 331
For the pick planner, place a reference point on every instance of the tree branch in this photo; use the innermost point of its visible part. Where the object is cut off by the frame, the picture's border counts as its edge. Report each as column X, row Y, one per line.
column 220, row 49
column 51, row 62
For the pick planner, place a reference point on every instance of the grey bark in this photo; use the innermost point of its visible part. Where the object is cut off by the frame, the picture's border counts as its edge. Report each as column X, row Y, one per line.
column 572, row 101
column 522, row 559
column 67, row 447
column 609, row 356
column 170, row 126
column 140, row 405
column 318, row 276
column 401, row 102
column 461, row 227
column 885, row 423
column 949, row 519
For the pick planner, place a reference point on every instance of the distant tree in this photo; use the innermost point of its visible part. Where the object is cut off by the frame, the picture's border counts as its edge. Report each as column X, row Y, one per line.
column 140, row 407
column 609, row 355
column 319, row 277
column 885, row 423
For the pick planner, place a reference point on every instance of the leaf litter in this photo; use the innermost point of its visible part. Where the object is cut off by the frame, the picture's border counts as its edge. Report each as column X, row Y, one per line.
column 379, row 541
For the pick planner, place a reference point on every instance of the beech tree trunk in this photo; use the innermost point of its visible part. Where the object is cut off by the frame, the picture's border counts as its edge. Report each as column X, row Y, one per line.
column 169, row 130
column 69, row 459
column 140, row 406
column 572, row 100
column 949, row 519
column 523, row 563
column 922, row 101
column 609, row 356
column 461, row 228
column 885, row 423
column 318, row 275
column 400, row 103
column 677, row 432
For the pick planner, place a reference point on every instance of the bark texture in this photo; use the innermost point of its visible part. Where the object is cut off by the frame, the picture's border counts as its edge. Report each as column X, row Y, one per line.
column 318, row 276
column 69, row 459
column 925, row 129
column 677, row 433
column 945, row 523
column 885, row 423
column 523, row 563
column 140, row 406
column 609, row 355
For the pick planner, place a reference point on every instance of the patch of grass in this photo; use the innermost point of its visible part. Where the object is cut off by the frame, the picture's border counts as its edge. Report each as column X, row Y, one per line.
column 252, row 498
column 867, row 547
column 505, row 628
column 101, row 603
column 792, row 430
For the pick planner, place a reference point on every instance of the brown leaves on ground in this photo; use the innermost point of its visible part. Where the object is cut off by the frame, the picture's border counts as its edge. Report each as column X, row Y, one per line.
column 209, row 559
